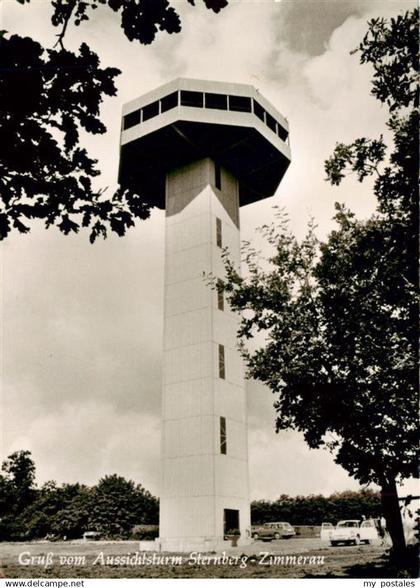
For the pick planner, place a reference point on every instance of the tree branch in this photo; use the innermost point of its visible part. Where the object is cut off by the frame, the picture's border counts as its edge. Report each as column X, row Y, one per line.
column 71, row 7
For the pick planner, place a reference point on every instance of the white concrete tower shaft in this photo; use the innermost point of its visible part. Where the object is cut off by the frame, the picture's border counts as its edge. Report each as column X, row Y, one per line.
column 170, row 140
column 204, row 419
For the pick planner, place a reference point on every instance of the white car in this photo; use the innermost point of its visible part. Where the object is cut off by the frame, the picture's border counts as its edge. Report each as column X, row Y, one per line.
column 350, row 532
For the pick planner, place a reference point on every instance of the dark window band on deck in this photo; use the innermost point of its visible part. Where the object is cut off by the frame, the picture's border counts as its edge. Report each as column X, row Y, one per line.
column 282, row 133
column 131, row 120
column 195, row 99
column 240, row 103
column 259, row 111
column 168, row 102
column 217, row 101
column 207, row 100
column 270, row 122
column 150, row 110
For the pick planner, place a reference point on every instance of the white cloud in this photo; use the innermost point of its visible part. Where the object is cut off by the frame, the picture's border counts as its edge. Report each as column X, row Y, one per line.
column 82, row 324
column 298, row 470
column 83, row 441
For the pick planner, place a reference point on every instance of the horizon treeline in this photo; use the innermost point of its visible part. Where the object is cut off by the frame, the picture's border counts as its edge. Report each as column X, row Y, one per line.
column 118, row 508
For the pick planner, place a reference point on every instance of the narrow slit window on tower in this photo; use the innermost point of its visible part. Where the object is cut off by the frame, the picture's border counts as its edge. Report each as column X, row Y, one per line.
column 222, row 369
column 218, row 232
column 192, row 99
column 220, row 296
column 131, row 119
column 223, row 437
column 217, row 176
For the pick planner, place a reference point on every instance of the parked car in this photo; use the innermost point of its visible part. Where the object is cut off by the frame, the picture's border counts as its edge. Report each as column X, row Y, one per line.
column 350, row 532
column 91, row 536
column 326, row 530
column 270, row 531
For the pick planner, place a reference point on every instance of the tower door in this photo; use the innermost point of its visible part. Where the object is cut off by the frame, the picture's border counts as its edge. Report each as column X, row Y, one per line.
column 231, row 520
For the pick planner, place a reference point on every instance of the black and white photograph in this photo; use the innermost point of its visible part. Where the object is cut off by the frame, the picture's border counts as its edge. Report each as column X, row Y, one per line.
column 209, row 290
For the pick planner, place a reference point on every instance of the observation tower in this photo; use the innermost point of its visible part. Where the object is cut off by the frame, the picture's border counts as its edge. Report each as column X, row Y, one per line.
column 200, row 150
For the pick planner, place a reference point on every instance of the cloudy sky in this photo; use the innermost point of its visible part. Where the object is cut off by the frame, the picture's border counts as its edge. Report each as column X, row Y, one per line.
column 82, row 324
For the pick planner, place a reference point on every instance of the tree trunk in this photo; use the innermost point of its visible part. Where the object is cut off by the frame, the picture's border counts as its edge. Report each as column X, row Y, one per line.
column 392, row 514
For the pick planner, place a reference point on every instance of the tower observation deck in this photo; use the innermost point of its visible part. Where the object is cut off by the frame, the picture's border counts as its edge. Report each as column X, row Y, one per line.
column 200, row 150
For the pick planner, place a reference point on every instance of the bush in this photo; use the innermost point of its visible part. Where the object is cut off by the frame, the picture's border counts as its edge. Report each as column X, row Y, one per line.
column 317, row 509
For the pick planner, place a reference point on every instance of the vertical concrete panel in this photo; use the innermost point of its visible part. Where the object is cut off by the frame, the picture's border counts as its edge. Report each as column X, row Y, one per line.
column 187, row 476
column 225, row 327
column 194, row 515
column 188, row 328
column 188, row 436
column 188, row 264
column 181, row 297
column 188, row 233
column 187, row 363
column 231, row 476
column 189, row 398
column 229, row 400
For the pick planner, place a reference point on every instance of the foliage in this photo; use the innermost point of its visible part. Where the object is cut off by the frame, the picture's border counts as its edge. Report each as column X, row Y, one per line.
column 317, row 509
column 71, row 521
column 48, row 96
column 338, row 353
column 7, row 496
column 233, row 533
column 392, row 47
column 374, row 264
column 112, row 507
column 118, row 504
column 18, row 483
column 140, row 21
column 339, row 319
